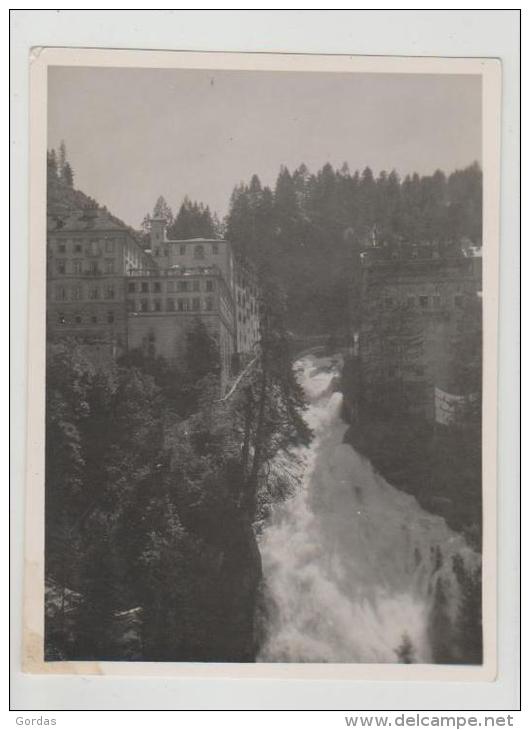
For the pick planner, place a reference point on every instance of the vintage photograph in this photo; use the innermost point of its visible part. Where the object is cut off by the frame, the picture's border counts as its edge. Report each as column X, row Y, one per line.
column 264, row 366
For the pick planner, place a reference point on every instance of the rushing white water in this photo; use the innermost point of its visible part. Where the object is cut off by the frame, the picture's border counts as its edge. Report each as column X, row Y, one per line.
column 349, row 562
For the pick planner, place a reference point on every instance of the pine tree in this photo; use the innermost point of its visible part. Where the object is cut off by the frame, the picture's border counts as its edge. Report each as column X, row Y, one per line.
column 68, row 175
column 62, row 158
column 469, row 616
column 51, row 159
column 193, row 220
column 162, row 210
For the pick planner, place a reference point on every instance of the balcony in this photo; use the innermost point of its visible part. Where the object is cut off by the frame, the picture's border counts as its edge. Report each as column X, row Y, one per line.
column 175, row 272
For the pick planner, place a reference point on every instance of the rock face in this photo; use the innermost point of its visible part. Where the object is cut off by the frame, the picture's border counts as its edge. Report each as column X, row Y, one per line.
column 240, row 578
column 207, row 611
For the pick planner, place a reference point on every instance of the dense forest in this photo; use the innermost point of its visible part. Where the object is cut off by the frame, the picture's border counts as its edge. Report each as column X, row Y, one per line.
column 154, row 484
column 300, row 228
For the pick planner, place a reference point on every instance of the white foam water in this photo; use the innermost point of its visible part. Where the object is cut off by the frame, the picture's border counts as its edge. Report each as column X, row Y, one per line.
column 349, row 562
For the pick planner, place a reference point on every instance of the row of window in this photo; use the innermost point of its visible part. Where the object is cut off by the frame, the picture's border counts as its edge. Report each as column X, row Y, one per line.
column 93, row 247
column 78, row 292
column 199, row 250
column 194, row 304
column 62, row 267
column 144, row 287
column 426, row 302
column 78, row 319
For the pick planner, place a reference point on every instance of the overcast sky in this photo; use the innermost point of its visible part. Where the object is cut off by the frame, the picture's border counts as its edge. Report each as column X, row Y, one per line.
column 134, row 134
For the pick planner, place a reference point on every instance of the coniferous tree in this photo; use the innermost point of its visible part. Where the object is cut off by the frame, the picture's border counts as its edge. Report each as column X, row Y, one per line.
column 193, row 220
column 62, row 158
column 52, row 167
column 162, row 210
column 469, row 615
column 68, row 175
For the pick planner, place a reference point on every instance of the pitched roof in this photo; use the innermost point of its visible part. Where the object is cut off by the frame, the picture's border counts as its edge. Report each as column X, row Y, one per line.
column 96, row 219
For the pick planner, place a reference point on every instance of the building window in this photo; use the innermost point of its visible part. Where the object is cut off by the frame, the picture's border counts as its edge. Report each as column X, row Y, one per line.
column 78, row 319
column 182, row 250
column 77, row 266
column 424, row 301
column 61, row 266
column 157, row 251
column 76, row 293
column 436, row 302
column 215, row 248
column 92, row 248
column 157, row 287
column 411, row 301
column 170, row 287
column 93, row 267
column 131, row 287
column 61, row 318
column 77, row 246
column 209, row 304
column 94, row 319
column 109, row 246
column 196, row 285
column 209, row 285
column 60, row 294
column 170, row 305
column 109, row 292
column 459, row 301
column 158, row 305
column 183, row 285
column 109, row 266
column 198, row 252
column 145, row 287
column 110, row 317
column 144, row 305
column 61, row 248
column 183, row 305
column 93, row 293
column 196, row 304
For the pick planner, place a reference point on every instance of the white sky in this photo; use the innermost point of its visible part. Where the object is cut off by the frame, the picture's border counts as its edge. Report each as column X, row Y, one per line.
column 134, row 134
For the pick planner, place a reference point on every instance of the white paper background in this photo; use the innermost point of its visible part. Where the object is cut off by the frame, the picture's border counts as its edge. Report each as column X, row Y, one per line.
column 450, row 33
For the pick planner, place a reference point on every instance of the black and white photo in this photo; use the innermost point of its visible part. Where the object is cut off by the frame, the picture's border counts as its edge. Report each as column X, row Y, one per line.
column 269, row 315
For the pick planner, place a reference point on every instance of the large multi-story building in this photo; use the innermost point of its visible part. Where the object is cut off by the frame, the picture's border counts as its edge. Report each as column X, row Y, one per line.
column 106, row 291
column 196, row 277
column 88, row 256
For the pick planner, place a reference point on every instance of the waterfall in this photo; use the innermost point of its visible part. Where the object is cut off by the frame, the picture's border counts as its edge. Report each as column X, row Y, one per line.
column 350, row 563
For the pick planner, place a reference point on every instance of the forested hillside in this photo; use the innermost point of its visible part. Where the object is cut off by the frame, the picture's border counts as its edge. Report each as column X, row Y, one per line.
column 297, row 230
column 62, row 197
column 299, row 227
column 153, row 486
